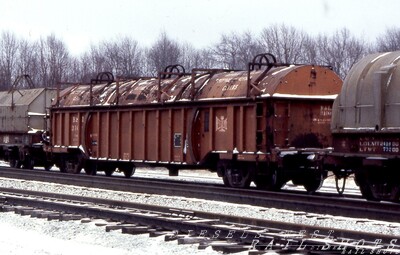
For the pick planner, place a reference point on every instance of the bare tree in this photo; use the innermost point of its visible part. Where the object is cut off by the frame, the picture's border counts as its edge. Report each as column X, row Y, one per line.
column 162, row 53
column 341, row 51
column 93, row 62
column 131, row 57
column 389, row 41
column 54, row 59
column 8, row 51
column 27, row 60
column 122, row 56
column 205, row 58
column 48, row 61
column 310, row 51
column 285, row 42
column 112, row 56
column 249, row 47
column 226, row 51
column 191, row 57
column 234, row 51
column 74, row 72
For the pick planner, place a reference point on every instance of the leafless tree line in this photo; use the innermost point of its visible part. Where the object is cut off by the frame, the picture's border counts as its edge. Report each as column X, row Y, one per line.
column 49, row 62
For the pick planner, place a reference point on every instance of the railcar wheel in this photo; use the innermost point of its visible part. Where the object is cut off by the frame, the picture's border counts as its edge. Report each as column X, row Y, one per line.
column 90, row 170
column 314, row 183
column 71, row 165
column 74, row 167
column 272, row 181
column 236, row 176
column 221, row 169
column 128, row 170
column 395, row 194
column 61, row 166
column 366, row 191
column 366, row 187
column 15, row 163
column 385, row 191
column 225, row 179
column 109, row 171
column 48, row 166
column 28, row 163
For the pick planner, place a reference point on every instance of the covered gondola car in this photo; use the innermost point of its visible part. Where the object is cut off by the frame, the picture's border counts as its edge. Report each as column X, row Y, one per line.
column 267, row 124
column 23, row 126
column 366, row 126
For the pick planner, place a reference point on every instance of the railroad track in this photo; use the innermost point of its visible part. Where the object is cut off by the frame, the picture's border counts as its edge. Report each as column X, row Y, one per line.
column 225, row 233
column 328, row 187
column 336, row 206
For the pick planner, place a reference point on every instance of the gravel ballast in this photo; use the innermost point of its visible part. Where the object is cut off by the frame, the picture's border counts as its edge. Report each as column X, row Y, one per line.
column 243, row 210
column 36, row 234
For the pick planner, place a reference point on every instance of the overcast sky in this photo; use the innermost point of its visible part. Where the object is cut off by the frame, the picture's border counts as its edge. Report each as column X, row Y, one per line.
column 80, row 23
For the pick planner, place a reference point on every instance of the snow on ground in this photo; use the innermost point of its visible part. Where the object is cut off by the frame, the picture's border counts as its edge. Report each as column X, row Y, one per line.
column 242, row 210
column 23, row 235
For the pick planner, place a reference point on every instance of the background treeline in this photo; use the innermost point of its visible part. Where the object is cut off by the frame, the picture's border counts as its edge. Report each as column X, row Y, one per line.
column 49, row 62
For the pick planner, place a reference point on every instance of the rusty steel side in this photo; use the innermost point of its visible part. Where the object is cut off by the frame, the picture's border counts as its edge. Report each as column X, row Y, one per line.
column 225, row 129
column 183, row 118
column 143, row 135
column 281, row 81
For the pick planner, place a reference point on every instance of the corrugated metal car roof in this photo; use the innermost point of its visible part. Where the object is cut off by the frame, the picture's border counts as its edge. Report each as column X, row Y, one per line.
column 299, row 80
column 370, row 97
column 19, row 97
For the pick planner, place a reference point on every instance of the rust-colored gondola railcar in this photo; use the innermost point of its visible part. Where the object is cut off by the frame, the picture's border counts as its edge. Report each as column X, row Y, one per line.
column 366, row 126
column 266, row 125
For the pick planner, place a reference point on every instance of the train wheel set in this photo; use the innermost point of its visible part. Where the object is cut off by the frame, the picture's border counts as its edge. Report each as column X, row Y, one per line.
column 270, row 124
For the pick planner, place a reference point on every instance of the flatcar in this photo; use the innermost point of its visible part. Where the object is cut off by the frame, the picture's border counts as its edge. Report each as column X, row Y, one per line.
column 269, row 124
column 366, row 127
column 24, row 124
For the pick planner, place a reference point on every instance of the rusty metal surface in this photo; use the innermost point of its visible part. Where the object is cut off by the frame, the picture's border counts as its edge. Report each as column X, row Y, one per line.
column 376, row 145
column 282, row 106
column 280, row 81
column 370, row 97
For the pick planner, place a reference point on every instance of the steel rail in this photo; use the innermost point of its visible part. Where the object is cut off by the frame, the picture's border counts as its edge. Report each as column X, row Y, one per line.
column 337, row 206
column 245, row 233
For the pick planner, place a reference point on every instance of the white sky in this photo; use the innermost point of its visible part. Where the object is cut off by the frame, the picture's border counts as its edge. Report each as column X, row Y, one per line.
column 80, row 23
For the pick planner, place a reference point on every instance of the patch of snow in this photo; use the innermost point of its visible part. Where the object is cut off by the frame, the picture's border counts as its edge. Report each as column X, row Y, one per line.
column 26, row 235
